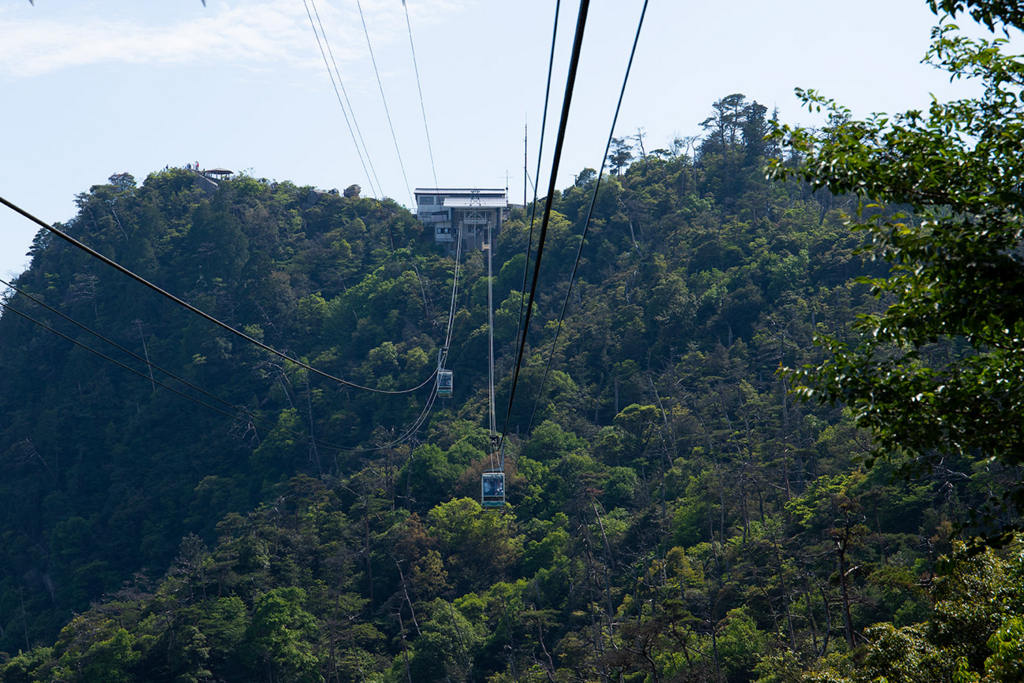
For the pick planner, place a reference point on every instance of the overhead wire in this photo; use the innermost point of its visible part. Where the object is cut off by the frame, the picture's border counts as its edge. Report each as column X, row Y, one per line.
column 351, row 109
column 590, row 215
column 162, row 292
column 370, row 179
column 443, row 353
column 442, row 359
column 455, row 292
column 570, row 83
column 380, row 84
column 419, row 88
column 540, row 154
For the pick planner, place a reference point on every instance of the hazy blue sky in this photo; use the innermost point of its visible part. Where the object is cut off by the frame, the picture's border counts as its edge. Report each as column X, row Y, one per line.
column 89, row 88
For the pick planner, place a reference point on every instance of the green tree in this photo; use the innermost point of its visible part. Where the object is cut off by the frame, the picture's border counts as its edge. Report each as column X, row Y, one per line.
column 112, row 660
column 739, row 644
column 279, row 639
column 973, row 634
column 939, row 371
column 620, row 155
column 478, row 547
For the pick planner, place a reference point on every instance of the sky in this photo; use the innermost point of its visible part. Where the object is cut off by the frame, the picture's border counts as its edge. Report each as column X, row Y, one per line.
column 90, row 88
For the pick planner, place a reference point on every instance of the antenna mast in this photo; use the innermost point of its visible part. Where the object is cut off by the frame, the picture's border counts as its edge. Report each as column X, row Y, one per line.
column 526, row 137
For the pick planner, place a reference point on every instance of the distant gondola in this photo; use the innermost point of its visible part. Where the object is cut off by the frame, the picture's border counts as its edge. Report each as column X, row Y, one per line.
column 444, row 383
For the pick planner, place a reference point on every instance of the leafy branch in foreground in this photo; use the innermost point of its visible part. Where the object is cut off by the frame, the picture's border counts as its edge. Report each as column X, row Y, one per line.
column 938, row 374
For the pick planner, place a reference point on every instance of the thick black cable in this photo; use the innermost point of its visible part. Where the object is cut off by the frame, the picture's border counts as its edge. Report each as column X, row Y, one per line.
column 369, row 178
column 590, row 215
column 369, row 160
column 577, row 45
column 385, row 100
column 423, row 107
column 540, row 154
column 141, row 280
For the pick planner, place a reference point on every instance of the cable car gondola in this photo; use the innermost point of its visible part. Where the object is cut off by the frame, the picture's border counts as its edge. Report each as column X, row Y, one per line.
column 492, row 489
column 444, row 383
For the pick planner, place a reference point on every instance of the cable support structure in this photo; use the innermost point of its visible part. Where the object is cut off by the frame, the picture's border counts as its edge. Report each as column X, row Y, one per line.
column 419, row 88
column 490, row 329
column 184, row 304
column 590, row 215
column 540, row 153
column 370, row 179
column 493, row 424
column 384, row 99
column 570, row 83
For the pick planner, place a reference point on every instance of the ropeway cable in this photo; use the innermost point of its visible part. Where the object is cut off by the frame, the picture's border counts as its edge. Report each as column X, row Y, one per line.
column 348, row 102
column 442, row 354
column 423, row 107
column 540, row 154
column 162, row 292
column 590, row 214
column 441, row 361
column 455, row 290
column 336, row 94
column 577, row 46
column 384, row 99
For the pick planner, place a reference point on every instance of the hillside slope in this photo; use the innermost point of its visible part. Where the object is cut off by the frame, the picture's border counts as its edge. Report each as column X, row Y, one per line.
column 674, row 515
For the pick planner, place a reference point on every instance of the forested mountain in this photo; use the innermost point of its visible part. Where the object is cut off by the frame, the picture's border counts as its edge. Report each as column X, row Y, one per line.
column 674, row 514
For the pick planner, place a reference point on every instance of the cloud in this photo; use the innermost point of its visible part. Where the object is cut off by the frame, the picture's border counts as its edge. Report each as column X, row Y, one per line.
column 36, row 42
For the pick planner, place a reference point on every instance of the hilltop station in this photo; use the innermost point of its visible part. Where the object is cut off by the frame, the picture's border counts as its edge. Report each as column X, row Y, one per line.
column 468, row 212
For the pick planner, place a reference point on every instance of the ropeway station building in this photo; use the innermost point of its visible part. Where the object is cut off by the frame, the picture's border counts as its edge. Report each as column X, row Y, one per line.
column 450, row 212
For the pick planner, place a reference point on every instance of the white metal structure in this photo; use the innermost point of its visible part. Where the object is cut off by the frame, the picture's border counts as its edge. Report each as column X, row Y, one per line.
column 467, row 211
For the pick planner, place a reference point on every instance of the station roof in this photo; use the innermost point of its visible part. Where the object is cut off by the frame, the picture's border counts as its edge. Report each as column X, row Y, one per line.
column 475, row 202
column 460, row 191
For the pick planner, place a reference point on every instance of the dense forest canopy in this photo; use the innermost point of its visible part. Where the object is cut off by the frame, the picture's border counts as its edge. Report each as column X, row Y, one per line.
column 676, row 513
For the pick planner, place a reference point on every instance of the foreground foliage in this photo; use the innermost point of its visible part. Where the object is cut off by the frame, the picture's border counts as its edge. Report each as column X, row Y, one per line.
column 939, row 373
